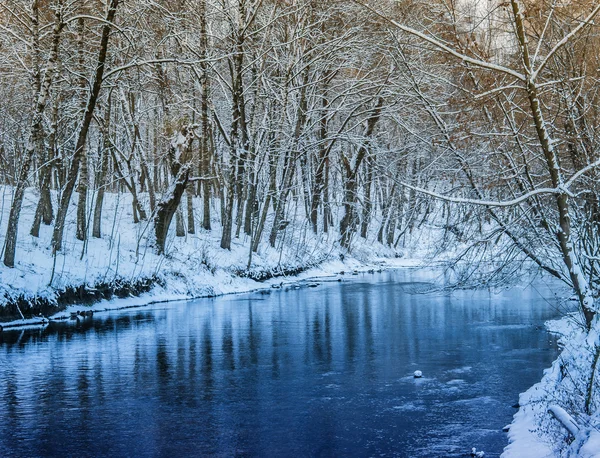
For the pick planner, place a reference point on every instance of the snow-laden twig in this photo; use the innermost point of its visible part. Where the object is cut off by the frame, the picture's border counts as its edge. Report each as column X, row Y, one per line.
column 483, row 203
column 587, row 21
column 438, row 44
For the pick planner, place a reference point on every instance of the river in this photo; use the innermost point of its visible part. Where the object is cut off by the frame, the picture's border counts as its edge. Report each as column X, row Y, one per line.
column 313, row 371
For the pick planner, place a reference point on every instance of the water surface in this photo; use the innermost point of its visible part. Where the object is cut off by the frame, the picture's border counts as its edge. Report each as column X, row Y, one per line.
column 323, row 371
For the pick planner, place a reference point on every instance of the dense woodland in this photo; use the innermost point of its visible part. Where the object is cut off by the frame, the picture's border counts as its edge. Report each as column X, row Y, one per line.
column 480, row 117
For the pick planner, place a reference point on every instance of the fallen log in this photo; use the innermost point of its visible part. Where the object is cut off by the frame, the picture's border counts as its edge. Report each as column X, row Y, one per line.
column 564, row 419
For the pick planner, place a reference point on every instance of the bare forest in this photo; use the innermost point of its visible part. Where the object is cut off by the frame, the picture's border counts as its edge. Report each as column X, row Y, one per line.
column 365, row 121
column 469, row 126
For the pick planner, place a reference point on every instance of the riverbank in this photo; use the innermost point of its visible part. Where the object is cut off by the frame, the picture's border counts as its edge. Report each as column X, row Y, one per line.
column 535, row 432
column 219, row 283
column 121, row 268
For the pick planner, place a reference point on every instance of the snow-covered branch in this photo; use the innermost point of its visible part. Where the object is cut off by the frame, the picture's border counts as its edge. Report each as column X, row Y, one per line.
column 587, row 21
column 443, row 47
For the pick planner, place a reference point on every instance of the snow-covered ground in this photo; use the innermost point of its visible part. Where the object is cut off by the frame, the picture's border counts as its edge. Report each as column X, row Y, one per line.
column 194, row 265
column 534, row 432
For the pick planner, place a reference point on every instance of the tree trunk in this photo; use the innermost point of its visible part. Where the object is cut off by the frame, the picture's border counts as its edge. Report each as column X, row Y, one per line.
column 180, row 169
column 34, row 132
column 44, row 211
column 367, row 204
column 320, row 172
column 167, row 207
column 179, row 228
column 327, row 216
column 97, row 220
column 564, row 236
column 348, row 221
column 205, row 149
column 190, row 212
column 290, row 160
column 59, row 227
column 82, row 188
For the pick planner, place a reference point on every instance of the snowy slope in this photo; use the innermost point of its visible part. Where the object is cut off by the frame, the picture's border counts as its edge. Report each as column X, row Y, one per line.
column 194, row 265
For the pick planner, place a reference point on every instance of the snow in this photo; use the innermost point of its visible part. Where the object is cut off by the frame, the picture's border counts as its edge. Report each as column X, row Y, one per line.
column 534, row 429
column 477, row 454
column 194, row 265
column 591, row 446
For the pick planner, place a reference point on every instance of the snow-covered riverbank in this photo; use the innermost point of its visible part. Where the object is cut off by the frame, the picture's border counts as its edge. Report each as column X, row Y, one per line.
column 534, row 432
column 104, row 273
column 221, row 282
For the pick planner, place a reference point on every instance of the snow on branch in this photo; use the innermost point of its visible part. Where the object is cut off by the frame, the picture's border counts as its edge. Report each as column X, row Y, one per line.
column 136, row 63
column 587, row 21
column 564, row 418
column 438, row 44
column 562, row 189
column 584, row 170
column 484, row 203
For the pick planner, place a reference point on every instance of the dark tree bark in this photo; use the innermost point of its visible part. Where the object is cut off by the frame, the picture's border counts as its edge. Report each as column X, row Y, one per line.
column 205, row 150
column 59, row 227
column 97, row 220
column 367, row 204
column 179, row 227
column 44, row 211
column 237, row 155
column 82, row 188
column 191, row 226
column 180, row 170
column 350, row 179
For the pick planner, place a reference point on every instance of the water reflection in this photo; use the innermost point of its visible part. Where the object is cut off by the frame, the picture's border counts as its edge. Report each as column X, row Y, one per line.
column 321, row 371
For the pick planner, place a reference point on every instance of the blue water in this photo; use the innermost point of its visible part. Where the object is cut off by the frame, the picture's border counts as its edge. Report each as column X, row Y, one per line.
column 323, row 371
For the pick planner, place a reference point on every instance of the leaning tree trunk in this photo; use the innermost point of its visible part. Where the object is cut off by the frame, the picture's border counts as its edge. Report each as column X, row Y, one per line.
column 167, row 207
column 565, row 239
column 59, row 226
column 180, row 169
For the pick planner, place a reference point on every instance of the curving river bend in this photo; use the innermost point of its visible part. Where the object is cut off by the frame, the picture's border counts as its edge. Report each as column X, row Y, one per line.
column 324, row 371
